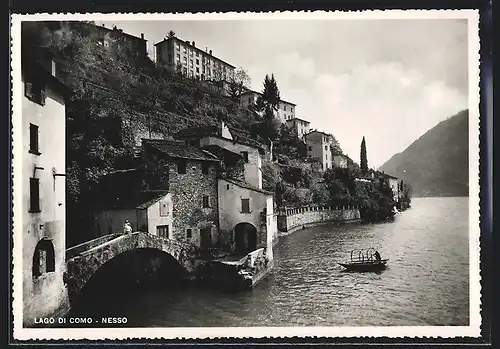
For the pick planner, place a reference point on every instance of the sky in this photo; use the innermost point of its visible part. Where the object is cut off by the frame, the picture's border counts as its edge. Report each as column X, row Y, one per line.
column 389, row 80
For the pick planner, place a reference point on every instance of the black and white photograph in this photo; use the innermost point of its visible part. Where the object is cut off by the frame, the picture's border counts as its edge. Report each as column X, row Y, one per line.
column 246, row 175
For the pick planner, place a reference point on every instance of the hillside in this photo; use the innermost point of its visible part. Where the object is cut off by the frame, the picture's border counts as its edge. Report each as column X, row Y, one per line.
column 437, row 163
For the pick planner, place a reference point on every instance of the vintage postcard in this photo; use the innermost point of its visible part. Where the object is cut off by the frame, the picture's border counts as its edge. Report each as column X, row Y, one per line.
column 246, row 175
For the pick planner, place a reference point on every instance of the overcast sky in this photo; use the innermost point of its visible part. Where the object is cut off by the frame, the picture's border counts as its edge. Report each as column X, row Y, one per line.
column 388, row 80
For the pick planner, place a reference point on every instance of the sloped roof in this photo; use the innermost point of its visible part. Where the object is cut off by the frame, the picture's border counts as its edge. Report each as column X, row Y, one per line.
column 228, row 154
column 198, row 132
column 180, row 150
column 246, row 185
column 133, row 200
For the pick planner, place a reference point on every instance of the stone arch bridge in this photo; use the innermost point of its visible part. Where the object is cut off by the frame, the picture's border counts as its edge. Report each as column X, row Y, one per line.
column 85, row 259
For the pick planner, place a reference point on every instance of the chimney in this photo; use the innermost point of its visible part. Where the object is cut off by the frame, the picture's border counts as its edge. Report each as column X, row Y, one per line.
column 206, row 49
column 210, row 52
column 194, row 44
column 142, row 36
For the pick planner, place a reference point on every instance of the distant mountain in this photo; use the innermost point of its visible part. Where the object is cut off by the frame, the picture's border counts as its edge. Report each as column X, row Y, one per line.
column 437, row 163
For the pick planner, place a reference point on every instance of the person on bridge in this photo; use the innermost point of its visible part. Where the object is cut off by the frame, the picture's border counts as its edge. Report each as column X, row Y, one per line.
column 127, row 227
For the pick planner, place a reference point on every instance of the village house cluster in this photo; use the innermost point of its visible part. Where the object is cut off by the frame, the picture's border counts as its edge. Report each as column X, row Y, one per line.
column 203, row 187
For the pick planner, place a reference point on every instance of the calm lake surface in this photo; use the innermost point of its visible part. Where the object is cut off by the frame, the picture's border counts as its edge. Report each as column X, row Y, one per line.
column 426, row 283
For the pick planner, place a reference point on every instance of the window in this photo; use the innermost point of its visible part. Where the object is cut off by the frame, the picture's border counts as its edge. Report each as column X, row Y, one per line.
column 178, row 56
column 206, row 201
column 326, row 147
column 245, row 205
column 197, row 69
column 44, row 260
column 189, row 233
column 197, row 61
column 162, row 231
column 163, row 208
column 245, row 156
column 284, row 107
column 310, row 148
column 34, row 139
column 227, row 186
column 34, row 89
column 326, row 156
column 181, row 167
column 205, row 168
column 34, row 195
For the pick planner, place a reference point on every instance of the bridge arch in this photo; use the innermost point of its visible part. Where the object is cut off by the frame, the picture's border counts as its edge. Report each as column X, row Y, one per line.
column 85, row 264
column 245, row 237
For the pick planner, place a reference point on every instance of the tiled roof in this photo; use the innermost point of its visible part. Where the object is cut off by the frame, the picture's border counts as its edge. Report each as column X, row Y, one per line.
column 218, row 151
column 246, row 185
column 133, row 200
column 180, row 150
column 198, row 132
column 239, row 136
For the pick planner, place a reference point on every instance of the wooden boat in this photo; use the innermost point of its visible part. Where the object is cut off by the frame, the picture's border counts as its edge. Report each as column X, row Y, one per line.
column 364, row 260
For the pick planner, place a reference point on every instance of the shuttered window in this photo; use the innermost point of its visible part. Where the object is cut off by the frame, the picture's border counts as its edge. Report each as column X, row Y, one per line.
column 34, row 195
column 34, row 149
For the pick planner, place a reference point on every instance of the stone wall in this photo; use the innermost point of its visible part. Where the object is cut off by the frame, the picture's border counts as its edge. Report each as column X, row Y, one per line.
column 290, row 220
column 187, row 191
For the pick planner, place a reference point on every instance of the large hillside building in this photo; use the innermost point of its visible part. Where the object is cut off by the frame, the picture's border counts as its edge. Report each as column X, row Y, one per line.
column 192, row 61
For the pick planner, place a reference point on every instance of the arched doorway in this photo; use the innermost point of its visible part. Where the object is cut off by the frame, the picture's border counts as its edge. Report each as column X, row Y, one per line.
column 245, row 238
column 43, row 258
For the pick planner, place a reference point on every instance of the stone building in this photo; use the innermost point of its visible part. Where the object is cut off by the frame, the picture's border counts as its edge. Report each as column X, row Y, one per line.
column 246, row 211
column 319, row 147
column 285, row 112
column 189, row 174
column 43, row 189
column 192, row 61
column 147, row 211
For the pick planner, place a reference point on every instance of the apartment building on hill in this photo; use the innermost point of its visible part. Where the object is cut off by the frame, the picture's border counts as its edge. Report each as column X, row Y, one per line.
column 192, row 60
column 286, row 110
column 319, row 147
column 301, row 126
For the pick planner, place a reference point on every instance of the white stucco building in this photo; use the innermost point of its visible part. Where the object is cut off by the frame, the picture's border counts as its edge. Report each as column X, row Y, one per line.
column 42, row 189
column 147, row 211
column 319, row 147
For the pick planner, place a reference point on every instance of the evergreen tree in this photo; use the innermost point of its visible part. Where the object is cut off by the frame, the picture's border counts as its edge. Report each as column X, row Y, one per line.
column 270, row 98
column 364, row 160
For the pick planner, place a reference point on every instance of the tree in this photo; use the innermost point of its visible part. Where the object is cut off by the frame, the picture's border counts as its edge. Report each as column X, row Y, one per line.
column 270, row 97
column 364, row 160
column 238, row 83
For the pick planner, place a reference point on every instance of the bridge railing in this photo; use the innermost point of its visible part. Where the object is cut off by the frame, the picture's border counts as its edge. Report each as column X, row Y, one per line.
column 85, row 246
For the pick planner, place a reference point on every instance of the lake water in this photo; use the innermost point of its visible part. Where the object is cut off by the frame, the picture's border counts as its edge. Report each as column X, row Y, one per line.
column 426, row 282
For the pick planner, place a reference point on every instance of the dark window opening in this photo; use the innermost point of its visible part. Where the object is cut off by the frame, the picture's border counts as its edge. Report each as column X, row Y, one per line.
column 205, row 168
column 245, row 156
column 310, row 148
column 227, row 186
column 34, row 195
column 181, row 167
column 189, row 233
column 44, row 260
column 206, row 201
column 162, row 231
column 34, row 88
column 34, row 140
column 245, row 205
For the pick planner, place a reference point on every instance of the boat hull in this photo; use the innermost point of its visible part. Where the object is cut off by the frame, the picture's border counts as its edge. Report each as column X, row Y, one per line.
column 365, row 266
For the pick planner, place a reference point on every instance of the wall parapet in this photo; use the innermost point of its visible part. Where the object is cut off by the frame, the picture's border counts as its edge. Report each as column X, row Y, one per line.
column 291, row 219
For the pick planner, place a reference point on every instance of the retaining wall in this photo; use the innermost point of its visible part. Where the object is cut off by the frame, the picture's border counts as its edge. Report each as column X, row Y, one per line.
column 290, row 220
